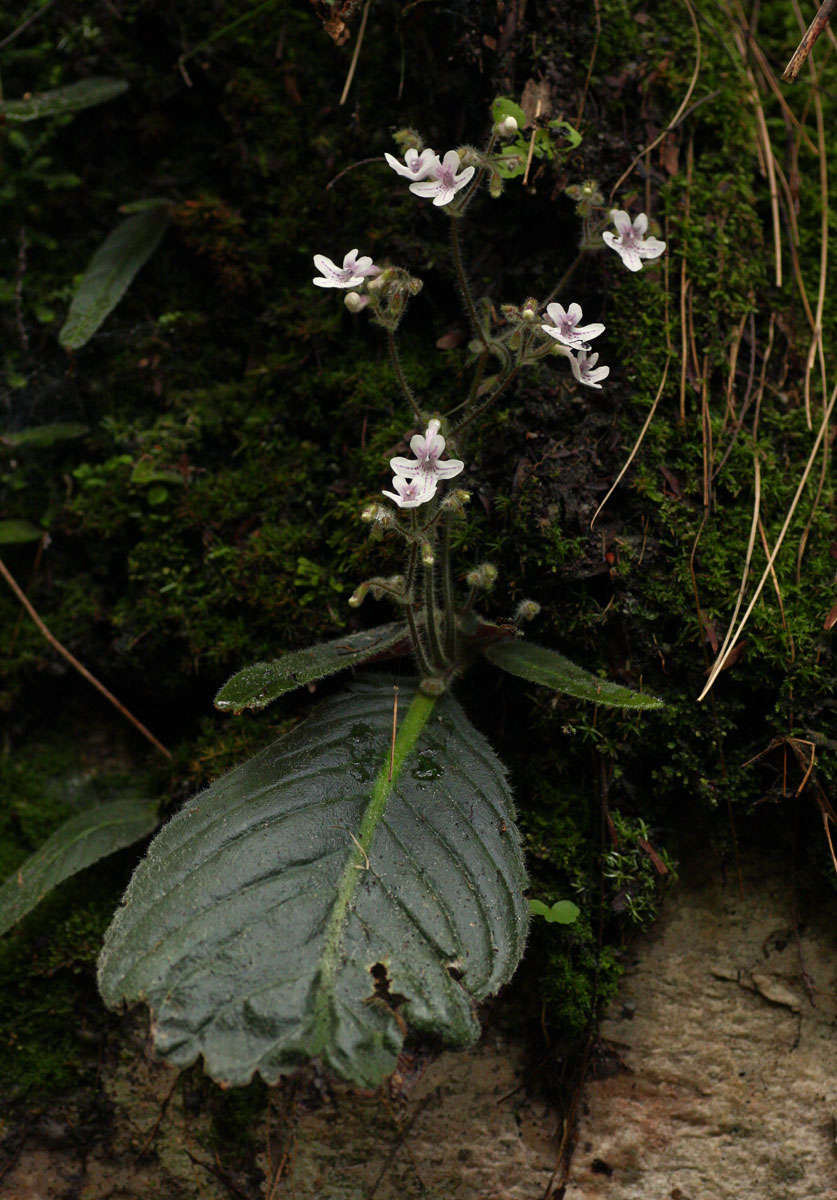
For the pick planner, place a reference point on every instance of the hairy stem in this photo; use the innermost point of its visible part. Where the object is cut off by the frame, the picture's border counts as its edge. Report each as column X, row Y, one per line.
column 425, row 669
column 400, row 376
column 447, row 594
column 436, row 650
column 486, row 404
column 464, row 285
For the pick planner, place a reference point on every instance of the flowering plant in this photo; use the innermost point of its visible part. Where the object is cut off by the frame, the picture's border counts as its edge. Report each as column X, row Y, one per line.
column 363, row 875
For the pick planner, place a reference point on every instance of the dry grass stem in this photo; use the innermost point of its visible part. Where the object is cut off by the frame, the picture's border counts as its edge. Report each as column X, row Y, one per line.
column 681, row 110
column 637, row 443
column 733, row 636
column 75, row 664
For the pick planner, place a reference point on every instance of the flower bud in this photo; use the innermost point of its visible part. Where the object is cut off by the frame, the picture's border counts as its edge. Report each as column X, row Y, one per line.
column 408, row 139
column 358, row 596
column 507, row 127
column 427, row 555
column 433, row 687
column 482, row 577
column 355, row 302
column 495, row 187
column 455, row 501
column 527, row 610
column 529, row 311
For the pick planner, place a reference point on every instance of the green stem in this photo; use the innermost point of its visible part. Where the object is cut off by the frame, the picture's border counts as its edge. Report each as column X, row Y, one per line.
column 400, row 376
column 358, row 860
column 447, row 594
column 464, row 285
column 566, row 277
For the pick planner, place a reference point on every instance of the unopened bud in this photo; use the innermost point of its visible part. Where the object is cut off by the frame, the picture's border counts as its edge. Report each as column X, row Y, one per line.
column 358, row 596
column 468, row 156
column 483, row 577
column 355, row 302
column 408, row 139
column 527, row 610
column 507, row 127
column 495, row 187
column 529, row 314
column 433, row 687
column 427, row 555
column 379, row 281
column 455, row 501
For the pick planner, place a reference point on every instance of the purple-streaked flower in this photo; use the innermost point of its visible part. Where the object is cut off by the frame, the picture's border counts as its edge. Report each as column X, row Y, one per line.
column 428, row 451
column 445, row 182
column 632, row 245
column 410, row 493
column 583, row 366
column 418, row 166
column 350, row 275
column 565, row 327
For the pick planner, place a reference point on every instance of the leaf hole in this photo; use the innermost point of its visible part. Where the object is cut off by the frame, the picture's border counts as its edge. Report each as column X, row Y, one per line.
column 382, row 992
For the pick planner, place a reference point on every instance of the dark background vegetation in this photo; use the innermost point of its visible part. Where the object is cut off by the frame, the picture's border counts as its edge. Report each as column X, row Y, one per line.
column 274, row 412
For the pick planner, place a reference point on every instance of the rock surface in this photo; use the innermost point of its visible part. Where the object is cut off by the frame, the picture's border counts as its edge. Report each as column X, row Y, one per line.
column 726, row 1027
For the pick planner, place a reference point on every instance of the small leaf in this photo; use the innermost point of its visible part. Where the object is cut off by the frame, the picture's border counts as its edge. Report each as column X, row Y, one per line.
column 562, row 912
column 72, row 98
column 307, row 905
column 503, row 107
column 43, row 435
column 262, row 683
column 110, row 272
column 13, row 531
column 570, row 132
column 77, row 844
column 146, row 472
column 544, row 666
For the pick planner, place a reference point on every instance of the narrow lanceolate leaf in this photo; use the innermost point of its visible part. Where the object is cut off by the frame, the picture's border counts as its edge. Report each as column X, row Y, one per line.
column 260, row 684
column 307, row 905
column 71, row 98
column 13, row 531
column 111, row 270
column 544, row 666
column 77, row 844
column 43, row 435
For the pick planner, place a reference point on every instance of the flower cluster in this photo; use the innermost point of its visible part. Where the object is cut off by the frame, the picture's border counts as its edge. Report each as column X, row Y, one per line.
column 439, row 178
column 566, row 329
column 416, row 480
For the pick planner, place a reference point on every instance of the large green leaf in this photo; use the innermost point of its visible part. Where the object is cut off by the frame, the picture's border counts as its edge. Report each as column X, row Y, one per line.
column 305, row 906
column 43, row 435
column 541, row 665
column 260, row 684
column 77, row 844
column 110, row 272
column 71, row 98
column 13, row 531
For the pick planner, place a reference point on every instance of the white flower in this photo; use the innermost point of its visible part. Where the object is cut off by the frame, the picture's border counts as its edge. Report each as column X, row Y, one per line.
column 565, row 326
column 583, row 366
column 419, row 166
column 444, row 183
column 350, row 275
column 507, row 127
column 632, row 245
column 428, row 450
column 412, row 492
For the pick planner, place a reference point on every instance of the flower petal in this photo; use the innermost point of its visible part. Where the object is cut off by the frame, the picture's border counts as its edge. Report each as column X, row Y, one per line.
column 641, row 225
column 621, row 220
column 574, row 313
column 448, row 468
column 430, row 188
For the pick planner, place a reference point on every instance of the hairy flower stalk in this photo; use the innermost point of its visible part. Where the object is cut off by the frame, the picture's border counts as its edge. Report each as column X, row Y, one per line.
column 395, row 359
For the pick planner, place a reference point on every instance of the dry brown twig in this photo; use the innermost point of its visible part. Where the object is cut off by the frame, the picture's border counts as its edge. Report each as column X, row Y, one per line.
column 74, row 663
column 810, row 35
